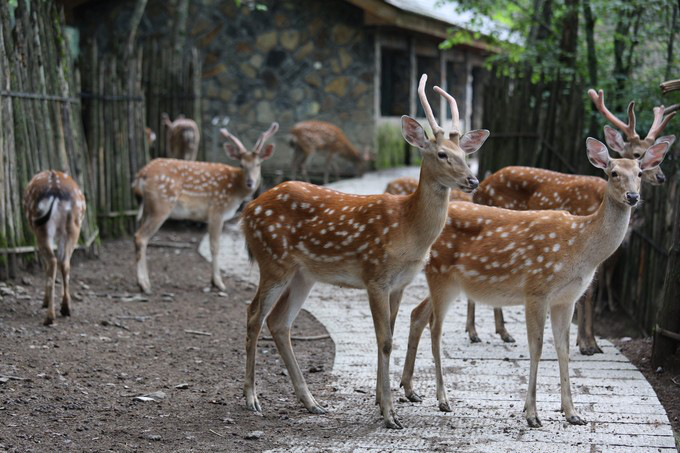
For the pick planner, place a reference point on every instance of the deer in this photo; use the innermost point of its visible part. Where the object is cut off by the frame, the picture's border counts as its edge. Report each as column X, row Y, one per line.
column 149, row 137
column 541, row 259
column 206, row 192
column 407, row 185
column 307, row 137
column 300, row 234
column 182, row 137
column 634, row 147
column 55, row 207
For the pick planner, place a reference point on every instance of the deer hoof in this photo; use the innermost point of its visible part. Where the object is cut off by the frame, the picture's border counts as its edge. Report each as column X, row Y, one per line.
column 65, row 310
column 576, row 420
column 254, row 406
column 48, row 321
column 316, row 409
column 507, row 338
column 534, row 422
column 474, row 338
column 590, row 349
column 392, row 422
column 444, row 407
column 414, row 397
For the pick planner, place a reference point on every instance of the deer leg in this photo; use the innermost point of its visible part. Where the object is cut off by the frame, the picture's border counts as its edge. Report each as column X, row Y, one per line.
column 441, row 300
column 608, row 276
column 536, row 311
column 470, row 323
column 279, row 322
column 420, row 316
column 500, row 326
column 65, row 266
column 268, row 292
column 151, row 223
column 298, row 161
column 560, row 318
column 586, row 340
column 51, row 265
column 329, row 158
column 378, row 299
column 395, row 301
column 215, row 224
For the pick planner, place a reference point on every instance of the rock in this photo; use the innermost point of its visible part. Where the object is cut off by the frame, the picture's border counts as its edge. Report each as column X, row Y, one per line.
column 337, row 86
column 345, row 59
column 304, row 51
column 247, row 70
column 182, row 386
column 154, row 437
column 222, row 294
column 297, row 94
column 253, row 435
column 290, row 39
column 256, row 60
column 342, row 34
column 313, row 79
column 206, row 290
column 625, row 339
column 659, row 370
column 266, row 41
column 153, row 396
column 25, row 280
column 264, row 112
column 228, row 421
column 316, row 369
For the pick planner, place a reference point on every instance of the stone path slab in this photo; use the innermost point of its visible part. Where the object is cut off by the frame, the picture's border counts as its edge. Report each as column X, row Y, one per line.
column 486, row 381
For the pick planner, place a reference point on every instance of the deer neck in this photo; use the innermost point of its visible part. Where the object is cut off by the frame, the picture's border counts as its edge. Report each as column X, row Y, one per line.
column 427, row 209
column 606, row 230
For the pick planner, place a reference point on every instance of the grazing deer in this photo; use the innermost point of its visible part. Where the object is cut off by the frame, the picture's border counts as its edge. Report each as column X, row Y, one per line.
column 200, row 191
column 55, row 208
column 182, row 137
column 634, row 147
column 543, row 260
column 300, row 233
column 307, row 137
column 406, row 186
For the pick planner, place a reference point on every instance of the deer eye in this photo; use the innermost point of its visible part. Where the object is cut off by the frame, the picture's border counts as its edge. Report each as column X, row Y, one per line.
column 615, row 175
column 640, row 175
column 636, row 155
column 441, row 155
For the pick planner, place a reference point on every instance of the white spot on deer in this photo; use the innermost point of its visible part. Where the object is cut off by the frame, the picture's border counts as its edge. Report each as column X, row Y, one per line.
column 258, row 209
column 556, row 247
column 552, row 235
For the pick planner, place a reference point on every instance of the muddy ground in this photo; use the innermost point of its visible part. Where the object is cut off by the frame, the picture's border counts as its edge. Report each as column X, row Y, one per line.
column 76, row 381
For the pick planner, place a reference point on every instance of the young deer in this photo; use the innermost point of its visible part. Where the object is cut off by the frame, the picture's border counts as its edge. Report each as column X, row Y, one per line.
column 406, row 186
column 200, row 191
column 182, row 137
column 634, row 147
column 543, row 260
column 301, row 233
column 307, row 137
column 55, row 208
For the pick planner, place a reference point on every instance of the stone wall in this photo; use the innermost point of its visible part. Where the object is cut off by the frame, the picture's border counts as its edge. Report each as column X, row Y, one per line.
column 298, row 60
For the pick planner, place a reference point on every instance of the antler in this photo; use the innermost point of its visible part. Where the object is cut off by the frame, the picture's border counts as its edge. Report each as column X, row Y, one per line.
column 627, row 129
column 234, row 140
column 436, row 129
column 659, row 123
column 265, row 136
column 455, row 118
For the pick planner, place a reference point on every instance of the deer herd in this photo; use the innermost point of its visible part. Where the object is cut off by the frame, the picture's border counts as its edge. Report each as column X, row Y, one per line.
column 523, row 236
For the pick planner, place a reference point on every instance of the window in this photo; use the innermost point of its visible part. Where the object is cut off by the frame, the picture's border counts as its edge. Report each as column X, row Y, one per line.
column 394, row 80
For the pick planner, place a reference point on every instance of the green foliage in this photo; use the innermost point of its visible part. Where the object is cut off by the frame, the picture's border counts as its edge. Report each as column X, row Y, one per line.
column 390, row 147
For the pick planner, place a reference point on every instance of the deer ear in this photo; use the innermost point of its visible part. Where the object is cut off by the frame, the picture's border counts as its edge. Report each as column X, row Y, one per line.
column 613, row 139
column 413, row 133
column 232, row 151
column 473, row 140
column 267, row 152
column 597, row 153
column 670, row 139
column 654, row 156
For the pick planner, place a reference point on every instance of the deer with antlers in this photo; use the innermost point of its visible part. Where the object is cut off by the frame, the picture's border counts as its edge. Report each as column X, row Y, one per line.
column 55, row 208
column 543, row 260
column 307, row 137
column 182, row 137
column 407, row 185
column 301, row 233
column 200, row 191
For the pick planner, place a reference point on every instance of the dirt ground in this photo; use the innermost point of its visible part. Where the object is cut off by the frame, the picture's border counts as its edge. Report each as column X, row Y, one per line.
column 76, row 381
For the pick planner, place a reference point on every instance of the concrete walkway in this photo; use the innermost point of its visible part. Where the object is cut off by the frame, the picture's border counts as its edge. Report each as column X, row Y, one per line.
column 486, row 382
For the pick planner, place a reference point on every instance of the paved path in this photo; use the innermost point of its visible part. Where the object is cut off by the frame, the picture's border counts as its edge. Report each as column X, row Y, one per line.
column 486, row 381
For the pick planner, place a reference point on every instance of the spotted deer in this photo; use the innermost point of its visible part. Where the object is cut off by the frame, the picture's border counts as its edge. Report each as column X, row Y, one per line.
column 300, row 233
column 182, row 137
column 200, row 191
column 634, row 147
column 406, row 186
column 543, row 260
column 308, row 137
column 55, row 207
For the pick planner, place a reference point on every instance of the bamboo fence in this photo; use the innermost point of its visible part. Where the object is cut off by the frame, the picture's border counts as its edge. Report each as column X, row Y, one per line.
column 39, row 116
column 542, row 125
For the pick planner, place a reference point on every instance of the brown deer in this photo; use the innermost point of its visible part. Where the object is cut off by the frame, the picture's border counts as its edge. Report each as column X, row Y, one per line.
column 182, row 137
column 407, row 185
column 307, row 137
column 543, row 260
column 200, row 191
column 149, row 137
column 55, row 207
column 634, row 147
column 300, row 233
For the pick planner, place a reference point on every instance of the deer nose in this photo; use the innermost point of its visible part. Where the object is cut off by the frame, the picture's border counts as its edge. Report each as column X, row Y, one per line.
column 632, row 198
column 660, row 178
column 473, row 182
column 250, row 183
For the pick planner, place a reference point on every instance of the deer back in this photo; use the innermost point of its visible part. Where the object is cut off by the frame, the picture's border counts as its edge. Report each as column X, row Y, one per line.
column 320, row 135
column 51, row 192
column 407, row 185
